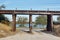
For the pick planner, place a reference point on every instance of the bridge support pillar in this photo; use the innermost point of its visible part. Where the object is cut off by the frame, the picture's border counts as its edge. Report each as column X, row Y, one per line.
column 14, row 22
column 49, row 23
column 30, row 23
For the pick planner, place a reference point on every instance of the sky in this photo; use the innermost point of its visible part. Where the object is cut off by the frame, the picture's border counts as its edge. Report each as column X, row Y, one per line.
column 28, row 4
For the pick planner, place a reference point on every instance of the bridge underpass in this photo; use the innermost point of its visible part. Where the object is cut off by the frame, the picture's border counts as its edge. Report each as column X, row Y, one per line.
column 30, row 13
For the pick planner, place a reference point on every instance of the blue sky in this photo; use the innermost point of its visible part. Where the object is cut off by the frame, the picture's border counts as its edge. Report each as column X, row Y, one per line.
column 34, row 4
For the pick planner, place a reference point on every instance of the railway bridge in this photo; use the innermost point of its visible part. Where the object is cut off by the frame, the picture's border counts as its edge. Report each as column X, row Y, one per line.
column 30, row 13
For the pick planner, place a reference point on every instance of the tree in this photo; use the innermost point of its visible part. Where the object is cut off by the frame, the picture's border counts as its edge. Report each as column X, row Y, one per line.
column 22, row 21
column 41, row 20
column 2, row 7
column 58, row 18
column 3, row 19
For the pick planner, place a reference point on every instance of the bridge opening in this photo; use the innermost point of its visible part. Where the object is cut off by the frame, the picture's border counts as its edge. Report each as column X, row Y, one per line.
column 30, row 13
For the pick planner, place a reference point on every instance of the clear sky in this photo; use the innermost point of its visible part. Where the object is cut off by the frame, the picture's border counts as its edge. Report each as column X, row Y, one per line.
column 34, row 4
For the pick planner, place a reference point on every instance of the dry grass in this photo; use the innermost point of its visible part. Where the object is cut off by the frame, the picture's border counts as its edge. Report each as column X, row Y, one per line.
column 57, row 30
column 5, row 30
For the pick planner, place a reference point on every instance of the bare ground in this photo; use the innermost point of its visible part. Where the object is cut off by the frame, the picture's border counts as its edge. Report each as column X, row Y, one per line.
column 34, row 36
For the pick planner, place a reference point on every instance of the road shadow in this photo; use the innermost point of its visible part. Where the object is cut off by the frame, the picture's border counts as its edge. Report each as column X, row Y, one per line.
column 27, row 31
column 47, row 32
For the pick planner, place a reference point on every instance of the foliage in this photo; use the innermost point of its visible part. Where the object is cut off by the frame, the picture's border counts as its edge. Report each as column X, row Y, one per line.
column 22, row 21
column 41, row 20
column 35, row 25
column 2, row 7
column 22, row 25
column 3, row 19
column 58, row 18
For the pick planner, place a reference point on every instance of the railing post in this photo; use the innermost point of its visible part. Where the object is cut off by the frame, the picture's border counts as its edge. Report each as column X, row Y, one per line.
column 14, row 22
column 49, row 22
column 30, row 23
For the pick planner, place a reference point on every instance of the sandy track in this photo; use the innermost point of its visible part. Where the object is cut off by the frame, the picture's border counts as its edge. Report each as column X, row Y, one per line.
column 34, row 36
